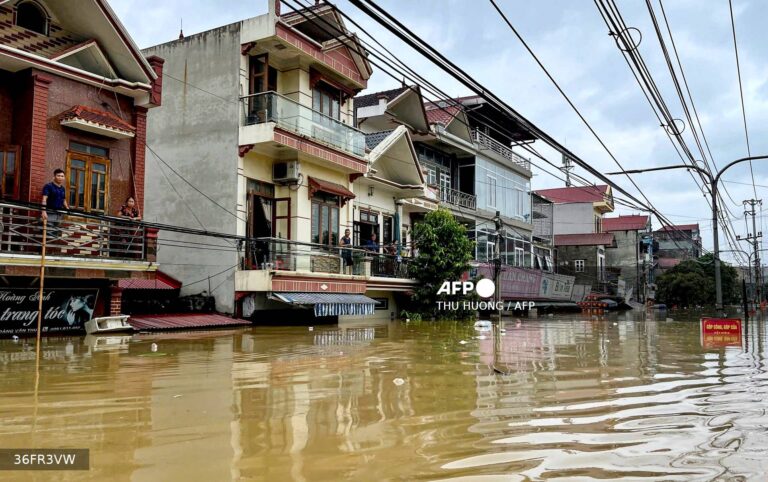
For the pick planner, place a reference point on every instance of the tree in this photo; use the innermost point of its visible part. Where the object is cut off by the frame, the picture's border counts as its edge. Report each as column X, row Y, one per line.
column 444, row 254
column 692, row 282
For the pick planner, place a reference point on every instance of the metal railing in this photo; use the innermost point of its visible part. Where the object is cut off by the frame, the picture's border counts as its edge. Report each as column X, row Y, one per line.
column 21, row 232
column 487, row 142
column 276, row 254
column 302, row 120
column 458, row 198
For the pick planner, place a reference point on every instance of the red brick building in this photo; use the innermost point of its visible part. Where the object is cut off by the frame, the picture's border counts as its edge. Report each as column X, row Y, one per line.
column 74, row 95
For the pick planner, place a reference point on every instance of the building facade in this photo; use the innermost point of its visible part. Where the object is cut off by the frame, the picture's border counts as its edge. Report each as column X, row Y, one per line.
column 74, row 95
column 627, row 258
column 261, row 118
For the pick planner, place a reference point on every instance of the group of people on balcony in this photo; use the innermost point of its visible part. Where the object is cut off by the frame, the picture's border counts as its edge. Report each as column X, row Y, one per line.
column 55, row 199
column 371, row 245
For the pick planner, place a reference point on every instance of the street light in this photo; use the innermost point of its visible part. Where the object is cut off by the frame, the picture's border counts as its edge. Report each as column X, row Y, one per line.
column 713, row 192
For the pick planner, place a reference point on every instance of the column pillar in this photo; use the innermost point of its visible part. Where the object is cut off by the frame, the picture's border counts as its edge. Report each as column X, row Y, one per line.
column 115, row 301
column 38, row 172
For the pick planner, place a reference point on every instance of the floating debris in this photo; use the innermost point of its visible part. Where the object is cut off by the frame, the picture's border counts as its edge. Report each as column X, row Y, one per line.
column 153, row 347
column 462, row 342
column 311, row 328
column 398, row 381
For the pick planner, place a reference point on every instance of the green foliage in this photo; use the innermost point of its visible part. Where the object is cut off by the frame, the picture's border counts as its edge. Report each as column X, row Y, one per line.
column 692, row 283
column 444, row 254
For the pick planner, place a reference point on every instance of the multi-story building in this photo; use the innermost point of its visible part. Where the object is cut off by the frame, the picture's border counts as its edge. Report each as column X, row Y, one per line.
column 626, row 259
column 74, row 94
column 259, row 116
column 542, row 213
column 579, row 238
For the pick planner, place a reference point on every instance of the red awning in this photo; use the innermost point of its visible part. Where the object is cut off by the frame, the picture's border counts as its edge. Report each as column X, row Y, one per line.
column 187, row 320
column 318, row 185
column 162, row 281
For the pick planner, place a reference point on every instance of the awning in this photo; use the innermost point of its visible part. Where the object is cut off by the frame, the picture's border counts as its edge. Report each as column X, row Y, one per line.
column 162, row 281
column 97, row 122
column 330, row 304
column 318, row 185
column 179, row 321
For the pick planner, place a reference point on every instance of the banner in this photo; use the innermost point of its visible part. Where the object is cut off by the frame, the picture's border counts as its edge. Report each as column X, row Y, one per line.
column 530, row 284
column 556, row 286
column 64, row 310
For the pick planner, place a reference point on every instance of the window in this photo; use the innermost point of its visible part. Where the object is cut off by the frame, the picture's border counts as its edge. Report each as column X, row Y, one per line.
column 601, row 267
column 519, row 257
column 598, row 224
column 445, row 185
column 326, row 100
column 30, row 15
column 578, row 266
column 88, row 176
column 431, row 176
column 491, row 191
column 388, row 233
column 9, row 165
column 325, row 219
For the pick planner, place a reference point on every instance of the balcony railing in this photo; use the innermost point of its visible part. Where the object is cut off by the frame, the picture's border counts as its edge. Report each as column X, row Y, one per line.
column 284, row 255
column 300, row 119
column 458, row 198
column 21, row 232
column 487, row 142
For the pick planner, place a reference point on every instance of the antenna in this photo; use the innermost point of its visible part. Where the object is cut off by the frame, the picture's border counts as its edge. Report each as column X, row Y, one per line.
column 567, row 167
column 181, row 28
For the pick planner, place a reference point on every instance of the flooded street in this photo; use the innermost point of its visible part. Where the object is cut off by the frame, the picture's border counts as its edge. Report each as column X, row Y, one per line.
column 557, row 399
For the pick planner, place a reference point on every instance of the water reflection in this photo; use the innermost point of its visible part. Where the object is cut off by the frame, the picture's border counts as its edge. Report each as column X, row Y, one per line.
column 559, row 398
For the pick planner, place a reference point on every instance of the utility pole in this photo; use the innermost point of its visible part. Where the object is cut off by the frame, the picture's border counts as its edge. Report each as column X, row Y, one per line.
column 497, row 260
column 567, row 168
column 754, row 238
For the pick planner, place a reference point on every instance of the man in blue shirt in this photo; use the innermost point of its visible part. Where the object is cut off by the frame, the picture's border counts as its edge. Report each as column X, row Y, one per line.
column 371, row 244
column 54, row 197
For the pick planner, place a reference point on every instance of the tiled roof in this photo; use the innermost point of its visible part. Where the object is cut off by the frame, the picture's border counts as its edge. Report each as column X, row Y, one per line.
column 588, row 239
column 189, row 320
column 374, row 139
column 668, row 262
column 440, row 115
column 634, row 222
column 680, row 227
column 581, row 194
column 96, row 116
column 373, row 99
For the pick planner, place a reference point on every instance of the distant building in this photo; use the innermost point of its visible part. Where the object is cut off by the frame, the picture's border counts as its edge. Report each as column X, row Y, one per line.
column 583, row 256
column 626, row 258
column 542, row 212
column 577, row 227
column 676, row 244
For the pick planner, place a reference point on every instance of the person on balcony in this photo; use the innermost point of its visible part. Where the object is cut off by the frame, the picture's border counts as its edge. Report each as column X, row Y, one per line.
column 54, row 198
column 127, row 234
column 346, row 254
column 372, row 245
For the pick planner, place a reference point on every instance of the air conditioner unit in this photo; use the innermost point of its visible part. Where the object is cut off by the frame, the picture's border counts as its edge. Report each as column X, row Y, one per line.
column 285, row 172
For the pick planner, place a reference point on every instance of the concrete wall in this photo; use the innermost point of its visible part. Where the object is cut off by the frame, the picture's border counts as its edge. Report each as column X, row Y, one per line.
column 571, row 253
column 574, row 218
column 196, row 132
column 627, row 257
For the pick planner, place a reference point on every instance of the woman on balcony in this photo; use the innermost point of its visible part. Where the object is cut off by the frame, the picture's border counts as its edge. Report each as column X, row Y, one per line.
column 127, row 233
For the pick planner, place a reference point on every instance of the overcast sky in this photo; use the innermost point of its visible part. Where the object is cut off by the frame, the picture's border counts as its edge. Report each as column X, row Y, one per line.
column 571, row 40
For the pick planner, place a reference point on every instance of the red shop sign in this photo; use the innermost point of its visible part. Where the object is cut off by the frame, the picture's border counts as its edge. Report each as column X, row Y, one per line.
column 719, row 332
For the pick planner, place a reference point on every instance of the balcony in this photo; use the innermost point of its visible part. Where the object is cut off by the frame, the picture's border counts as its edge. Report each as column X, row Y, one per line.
column 291, row 116
column 274, row 254
column 458, row 198
column 487, row 142
column 79, row 241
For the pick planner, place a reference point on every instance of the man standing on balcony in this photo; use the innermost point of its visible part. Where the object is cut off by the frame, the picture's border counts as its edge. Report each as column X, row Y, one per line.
column 346, row 254
column 54, row 197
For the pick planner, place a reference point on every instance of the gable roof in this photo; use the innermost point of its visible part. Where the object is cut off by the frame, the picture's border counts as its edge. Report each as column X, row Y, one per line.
column 576, row 194
column 373, row 99
column 374, row 139
column 588, row 239
column 633, row 222
column 441, row 115
column 679, row 227
column 394, row 160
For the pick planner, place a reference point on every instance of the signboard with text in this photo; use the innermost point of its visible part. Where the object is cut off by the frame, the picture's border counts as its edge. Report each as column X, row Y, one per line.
column 719, row 332
column 64, row 310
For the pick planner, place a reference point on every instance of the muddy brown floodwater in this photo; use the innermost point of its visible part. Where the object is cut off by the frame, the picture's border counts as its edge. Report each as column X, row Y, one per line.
column 563, row 398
